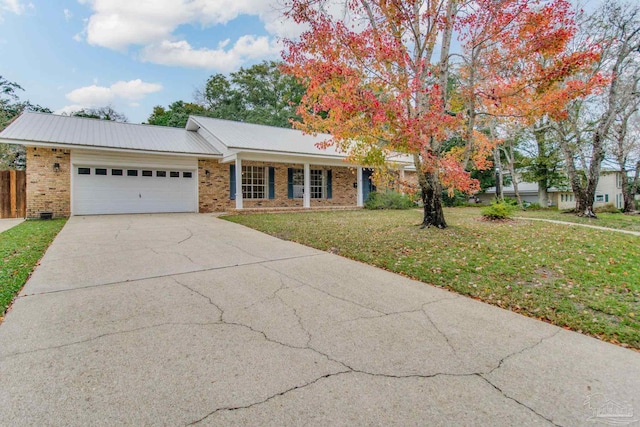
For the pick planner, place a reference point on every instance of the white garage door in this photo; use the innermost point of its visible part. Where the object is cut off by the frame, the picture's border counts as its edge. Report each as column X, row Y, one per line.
column 130, row 188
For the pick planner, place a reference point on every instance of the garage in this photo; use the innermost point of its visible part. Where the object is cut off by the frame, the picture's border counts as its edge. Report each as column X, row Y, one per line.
column 117, row 184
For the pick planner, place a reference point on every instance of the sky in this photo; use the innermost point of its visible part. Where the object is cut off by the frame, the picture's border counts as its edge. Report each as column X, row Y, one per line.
column 131, row 54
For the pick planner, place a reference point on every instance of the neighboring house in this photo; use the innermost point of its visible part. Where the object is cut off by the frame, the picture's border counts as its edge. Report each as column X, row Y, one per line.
column 79, row 166
column 608, row 191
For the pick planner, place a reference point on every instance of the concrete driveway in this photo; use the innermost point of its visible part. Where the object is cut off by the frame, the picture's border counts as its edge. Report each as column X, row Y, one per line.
column 191, row 320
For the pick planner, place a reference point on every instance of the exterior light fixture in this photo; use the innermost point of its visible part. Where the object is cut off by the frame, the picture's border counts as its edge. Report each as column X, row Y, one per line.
column 56, row 167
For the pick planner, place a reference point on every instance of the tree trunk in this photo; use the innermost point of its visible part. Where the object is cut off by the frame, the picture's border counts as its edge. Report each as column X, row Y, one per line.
column 514, row 179
column 499, row 180
column 432, row 202
column 509, row 154
column 543, row 196
column 629, row 191
column 542, row 165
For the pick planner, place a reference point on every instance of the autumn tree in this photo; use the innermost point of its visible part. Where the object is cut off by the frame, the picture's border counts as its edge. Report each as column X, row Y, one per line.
column 379, row 70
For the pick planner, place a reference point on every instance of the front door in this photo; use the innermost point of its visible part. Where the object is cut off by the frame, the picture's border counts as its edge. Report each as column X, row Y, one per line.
column 367, row 183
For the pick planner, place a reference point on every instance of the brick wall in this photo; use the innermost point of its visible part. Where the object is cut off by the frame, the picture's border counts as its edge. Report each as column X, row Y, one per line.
column 214, row 189
column 48, row 191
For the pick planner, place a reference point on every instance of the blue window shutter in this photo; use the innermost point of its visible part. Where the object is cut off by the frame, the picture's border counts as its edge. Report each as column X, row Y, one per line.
column 232, row 182
column 329, row 191
column 272, row 182
column 290, row 183
column 606, row 198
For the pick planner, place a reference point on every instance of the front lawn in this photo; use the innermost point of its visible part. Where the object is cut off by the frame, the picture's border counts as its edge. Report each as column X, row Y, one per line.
column 21, row 247
column 611, row 220
column 575, row 277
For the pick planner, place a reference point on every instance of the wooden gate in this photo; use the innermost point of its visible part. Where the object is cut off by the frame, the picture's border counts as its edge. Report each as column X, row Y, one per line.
column 13, row 194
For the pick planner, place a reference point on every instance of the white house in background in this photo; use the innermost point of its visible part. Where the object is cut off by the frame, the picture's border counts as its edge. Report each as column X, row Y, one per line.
column 608, row 191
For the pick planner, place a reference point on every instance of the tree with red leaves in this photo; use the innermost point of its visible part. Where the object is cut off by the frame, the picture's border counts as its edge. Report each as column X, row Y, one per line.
column 378, row 78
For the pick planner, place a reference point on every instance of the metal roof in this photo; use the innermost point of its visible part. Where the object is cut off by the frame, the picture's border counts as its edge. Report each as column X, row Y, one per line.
column 248, row 136
column 78, row 131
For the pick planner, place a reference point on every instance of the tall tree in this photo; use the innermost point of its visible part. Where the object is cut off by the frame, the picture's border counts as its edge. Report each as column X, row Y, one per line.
column 380, row 70
column 259, row 94
column 542, row 160
column 13, row 156
column 176, row 115
column 625, row 147
column 616, row 27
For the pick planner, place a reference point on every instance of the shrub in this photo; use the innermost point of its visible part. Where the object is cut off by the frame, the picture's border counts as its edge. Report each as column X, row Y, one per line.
column 498, row 210
column 511, row 201
column 388, row 200
column 458, row 199
column 608, row 208
column 534, row 206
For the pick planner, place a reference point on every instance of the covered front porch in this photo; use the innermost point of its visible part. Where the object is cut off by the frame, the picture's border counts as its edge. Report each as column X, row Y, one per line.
column 262, row 182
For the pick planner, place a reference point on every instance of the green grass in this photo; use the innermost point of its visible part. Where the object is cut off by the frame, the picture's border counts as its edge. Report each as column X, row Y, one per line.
column 611, row 220
column 575, row 277
column 21, row 247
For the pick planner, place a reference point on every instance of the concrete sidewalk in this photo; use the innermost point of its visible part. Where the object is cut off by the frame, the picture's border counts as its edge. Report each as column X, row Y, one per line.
column 577, row 224
column 191, row 320
column 8, row 223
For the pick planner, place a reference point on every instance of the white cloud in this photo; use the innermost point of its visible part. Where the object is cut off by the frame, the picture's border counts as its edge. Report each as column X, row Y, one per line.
column 116, row 24
column 13, row 6
column 98, row 96
column 67, row 15
column 134, row 89
column 69, row 109
column 181, row 53
column 151, row 25
column 16, row 7
column 91, row 96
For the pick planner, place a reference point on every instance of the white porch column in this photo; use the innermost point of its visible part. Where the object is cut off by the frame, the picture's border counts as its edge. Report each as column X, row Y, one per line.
column 306, row 198
column 238, row 183
column 359, row 184
column 402, row 179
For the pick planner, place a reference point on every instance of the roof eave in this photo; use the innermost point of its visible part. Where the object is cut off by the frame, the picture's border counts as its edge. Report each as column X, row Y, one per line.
column 112, row 149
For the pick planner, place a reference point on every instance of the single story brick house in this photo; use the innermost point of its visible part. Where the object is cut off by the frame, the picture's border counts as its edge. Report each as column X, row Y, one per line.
column 80, row 166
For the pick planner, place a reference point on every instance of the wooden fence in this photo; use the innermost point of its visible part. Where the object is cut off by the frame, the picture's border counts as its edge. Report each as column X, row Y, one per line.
column 13, row 194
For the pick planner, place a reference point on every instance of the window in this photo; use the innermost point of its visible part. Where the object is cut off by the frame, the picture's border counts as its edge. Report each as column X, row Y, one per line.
column 254, row 182
column 174, row 174
column 116, row 172
column 317, row 184
column 297, row 180
column 599, row 198
column 100, row 171
column 147, row 173
column 619, row 180
column 187, row 174
column 161, row 174
column 132, row 172
column 562, row 197
column 84, row 171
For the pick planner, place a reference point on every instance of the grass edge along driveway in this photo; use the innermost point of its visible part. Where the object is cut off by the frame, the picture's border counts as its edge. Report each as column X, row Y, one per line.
column 21, row 247
column 575, row 277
